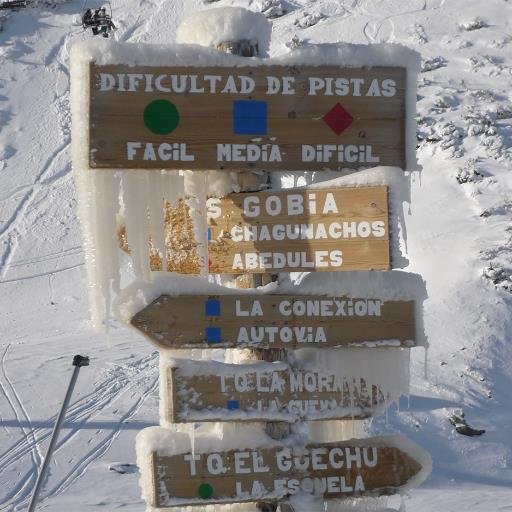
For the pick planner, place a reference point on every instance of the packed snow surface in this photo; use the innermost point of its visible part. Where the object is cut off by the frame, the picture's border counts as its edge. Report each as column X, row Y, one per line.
column 459, row 241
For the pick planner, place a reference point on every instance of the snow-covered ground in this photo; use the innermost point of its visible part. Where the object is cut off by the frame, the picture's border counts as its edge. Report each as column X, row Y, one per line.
column 459, row 240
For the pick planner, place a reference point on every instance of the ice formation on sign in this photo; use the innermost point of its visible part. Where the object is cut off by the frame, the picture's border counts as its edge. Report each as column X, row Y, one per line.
column 361, row 378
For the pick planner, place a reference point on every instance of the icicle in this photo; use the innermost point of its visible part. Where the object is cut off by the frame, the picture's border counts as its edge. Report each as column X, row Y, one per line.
column 156, row 215
column 195, row 189
column 108, row 207
column 193, row 440
column 403, row 227
column 351, row 390
column 425, row 363
column 98, row 215
column 172, row 186
column 89, row 206
column 135, row 197
column 171, row 183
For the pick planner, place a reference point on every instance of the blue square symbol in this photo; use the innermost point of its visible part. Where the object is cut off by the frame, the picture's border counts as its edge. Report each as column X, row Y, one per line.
column 212, row 307
column 233, row 405
column 213, row 335
column 249, row 117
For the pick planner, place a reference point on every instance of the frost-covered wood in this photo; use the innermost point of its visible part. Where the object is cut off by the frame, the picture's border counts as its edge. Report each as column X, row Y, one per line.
column 276, row 321
column 214, row 473
column 211, row 391
column 263, row 115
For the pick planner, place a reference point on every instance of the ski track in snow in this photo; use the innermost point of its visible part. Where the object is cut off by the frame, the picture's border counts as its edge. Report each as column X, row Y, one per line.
column 42, row 274
column 16, row 225
column 49, row 174
column 26, row 483
column 142, row 23
column 137, row 377
column 372, row 28
column 96, row 452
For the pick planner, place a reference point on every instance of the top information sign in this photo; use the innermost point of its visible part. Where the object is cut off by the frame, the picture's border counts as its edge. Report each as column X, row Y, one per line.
column 244, row 118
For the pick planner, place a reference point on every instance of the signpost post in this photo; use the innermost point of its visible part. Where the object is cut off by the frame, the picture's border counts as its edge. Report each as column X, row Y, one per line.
column 262, row 116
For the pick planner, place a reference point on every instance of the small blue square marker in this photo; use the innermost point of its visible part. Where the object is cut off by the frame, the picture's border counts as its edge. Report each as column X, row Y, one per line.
column 212, row 307
column 233, row 405
column 210, row 236
column 249, row 117
column 213, row 335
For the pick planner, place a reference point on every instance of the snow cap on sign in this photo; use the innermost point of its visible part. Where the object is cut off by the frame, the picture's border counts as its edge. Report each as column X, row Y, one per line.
column 213, row 26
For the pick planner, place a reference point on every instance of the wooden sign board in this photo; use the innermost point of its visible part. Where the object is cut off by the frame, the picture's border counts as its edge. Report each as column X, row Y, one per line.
column 348, row 469
column 248, row 117
column 276, row 321
column 299, row 230
column 214, row 391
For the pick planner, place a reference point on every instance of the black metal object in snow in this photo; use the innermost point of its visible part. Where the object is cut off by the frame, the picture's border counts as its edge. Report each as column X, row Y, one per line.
column 78, row 362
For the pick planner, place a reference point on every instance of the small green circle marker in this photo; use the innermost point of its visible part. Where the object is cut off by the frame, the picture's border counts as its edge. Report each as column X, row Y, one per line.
column 205, row 491
column 161, row 117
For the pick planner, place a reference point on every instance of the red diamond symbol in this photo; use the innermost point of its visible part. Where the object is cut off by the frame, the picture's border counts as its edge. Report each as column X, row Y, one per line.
column 338, row 119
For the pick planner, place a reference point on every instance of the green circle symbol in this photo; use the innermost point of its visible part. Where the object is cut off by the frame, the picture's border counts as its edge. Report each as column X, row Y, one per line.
column 205, row 491
column 161, row 117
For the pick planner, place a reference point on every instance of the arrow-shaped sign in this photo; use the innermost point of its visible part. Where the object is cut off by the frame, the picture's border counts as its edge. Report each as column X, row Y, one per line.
column 276, row 321
column 348, row 469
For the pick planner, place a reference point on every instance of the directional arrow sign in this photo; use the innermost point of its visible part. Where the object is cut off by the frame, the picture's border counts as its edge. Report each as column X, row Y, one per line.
column 276, row 321
column 359, row 467
column 212, row 391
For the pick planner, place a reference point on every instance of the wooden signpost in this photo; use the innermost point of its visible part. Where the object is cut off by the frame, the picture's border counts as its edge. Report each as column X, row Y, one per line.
column 212, row 391
column 258, row 117
column 276, row 321
column 240, row 118
column 364, row 467
column 299, row 230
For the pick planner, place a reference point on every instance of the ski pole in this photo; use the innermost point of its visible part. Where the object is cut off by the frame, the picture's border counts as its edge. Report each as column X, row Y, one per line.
column 78, row 362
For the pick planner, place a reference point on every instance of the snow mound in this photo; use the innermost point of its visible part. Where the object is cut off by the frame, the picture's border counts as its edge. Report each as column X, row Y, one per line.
column 214, row 26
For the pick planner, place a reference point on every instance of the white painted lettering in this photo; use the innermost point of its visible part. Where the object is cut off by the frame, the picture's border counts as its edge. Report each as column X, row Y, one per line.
column 240, row 460
column 192, row 459
column 107, row 82
column 131, row 149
